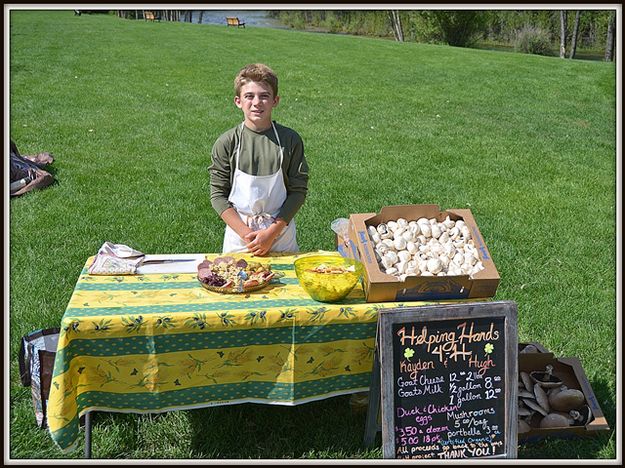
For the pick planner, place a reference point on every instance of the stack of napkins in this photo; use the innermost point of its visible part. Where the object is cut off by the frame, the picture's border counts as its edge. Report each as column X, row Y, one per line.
column 116, row 259
column 119, row 259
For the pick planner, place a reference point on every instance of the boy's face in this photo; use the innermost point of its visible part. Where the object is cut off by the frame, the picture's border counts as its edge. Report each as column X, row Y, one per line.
column 256, row 100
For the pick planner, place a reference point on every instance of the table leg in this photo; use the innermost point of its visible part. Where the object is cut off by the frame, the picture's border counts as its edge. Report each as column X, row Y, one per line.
column 372, row 426
column 88, row 435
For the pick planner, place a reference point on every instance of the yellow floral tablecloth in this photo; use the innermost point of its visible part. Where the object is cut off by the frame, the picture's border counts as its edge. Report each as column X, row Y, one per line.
column 158, row 342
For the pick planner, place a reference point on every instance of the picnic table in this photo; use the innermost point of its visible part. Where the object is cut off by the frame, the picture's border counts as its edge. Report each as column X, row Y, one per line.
column 150, row 343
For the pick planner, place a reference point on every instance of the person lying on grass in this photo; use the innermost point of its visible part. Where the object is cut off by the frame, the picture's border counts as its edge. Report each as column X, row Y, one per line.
column 258, row 174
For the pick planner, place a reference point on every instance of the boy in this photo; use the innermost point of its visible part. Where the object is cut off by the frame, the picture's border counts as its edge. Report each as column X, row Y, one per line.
column 258, row 175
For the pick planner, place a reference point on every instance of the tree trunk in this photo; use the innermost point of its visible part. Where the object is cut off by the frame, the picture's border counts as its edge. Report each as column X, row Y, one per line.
column 400, row 29
column 563, row 19
column 609, row 45
column 396, row 25
column 201, row 16
column 574, row 36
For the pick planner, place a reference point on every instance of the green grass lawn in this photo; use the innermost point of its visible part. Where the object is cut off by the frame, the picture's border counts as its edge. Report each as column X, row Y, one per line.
column 130, row 110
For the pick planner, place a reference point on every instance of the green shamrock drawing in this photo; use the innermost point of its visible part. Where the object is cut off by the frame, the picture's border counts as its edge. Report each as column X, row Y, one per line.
column 488, row 348
column 408, row 353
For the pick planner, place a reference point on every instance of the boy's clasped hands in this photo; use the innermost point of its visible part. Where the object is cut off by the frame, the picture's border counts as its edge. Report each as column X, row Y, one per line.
column 260, row 242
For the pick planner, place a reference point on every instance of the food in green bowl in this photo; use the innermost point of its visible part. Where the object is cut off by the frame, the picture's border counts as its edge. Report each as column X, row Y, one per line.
column 327, row 278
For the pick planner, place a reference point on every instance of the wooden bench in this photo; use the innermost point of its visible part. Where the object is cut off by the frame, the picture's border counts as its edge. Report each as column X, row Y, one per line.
column 148, row 16
column 234, row 21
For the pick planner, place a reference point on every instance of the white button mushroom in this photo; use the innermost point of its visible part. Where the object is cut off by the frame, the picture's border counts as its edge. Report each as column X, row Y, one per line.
column 435, row 247
column 404, row 256
column 414, row 229
column 391, row 255
column 412, row 271
column 386, row 262
column 434, row 265
column 449, row 223
column 389, row 243
column 381, row 248
column 400, row 243
column 436, row 231
column 408, row 236
column 397, row 234
column 449, row 249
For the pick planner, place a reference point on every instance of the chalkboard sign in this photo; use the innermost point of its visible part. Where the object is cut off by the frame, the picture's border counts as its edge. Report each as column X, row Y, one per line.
column 448, row 381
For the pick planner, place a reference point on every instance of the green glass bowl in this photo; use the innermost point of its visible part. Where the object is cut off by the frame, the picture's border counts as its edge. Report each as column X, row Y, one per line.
column 327, row 287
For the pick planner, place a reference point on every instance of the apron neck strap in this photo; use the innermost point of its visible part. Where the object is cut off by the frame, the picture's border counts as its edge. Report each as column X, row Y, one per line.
column 236, row 155
column 275, row 132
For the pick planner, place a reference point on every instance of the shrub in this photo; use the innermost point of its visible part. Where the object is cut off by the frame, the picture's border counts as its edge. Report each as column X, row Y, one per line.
column 460, row 28
column 533, row 40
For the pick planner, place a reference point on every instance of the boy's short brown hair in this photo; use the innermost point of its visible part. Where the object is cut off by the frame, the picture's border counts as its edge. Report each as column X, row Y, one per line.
column 256, row 72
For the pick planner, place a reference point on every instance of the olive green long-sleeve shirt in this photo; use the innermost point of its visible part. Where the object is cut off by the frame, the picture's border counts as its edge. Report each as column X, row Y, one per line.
column 259, row 155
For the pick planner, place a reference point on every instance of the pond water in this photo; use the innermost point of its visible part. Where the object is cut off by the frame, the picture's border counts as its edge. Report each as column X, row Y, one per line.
column 259, row 18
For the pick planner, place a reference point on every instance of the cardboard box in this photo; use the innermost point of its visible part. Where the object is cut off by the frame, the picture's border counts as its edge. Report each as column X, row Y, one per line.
column 570, row 371
column 380, row 287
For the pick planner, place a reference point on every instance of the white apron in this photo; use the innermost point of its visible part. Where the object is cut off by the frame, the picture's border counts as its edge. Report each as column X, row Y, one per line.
column 258, row 200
